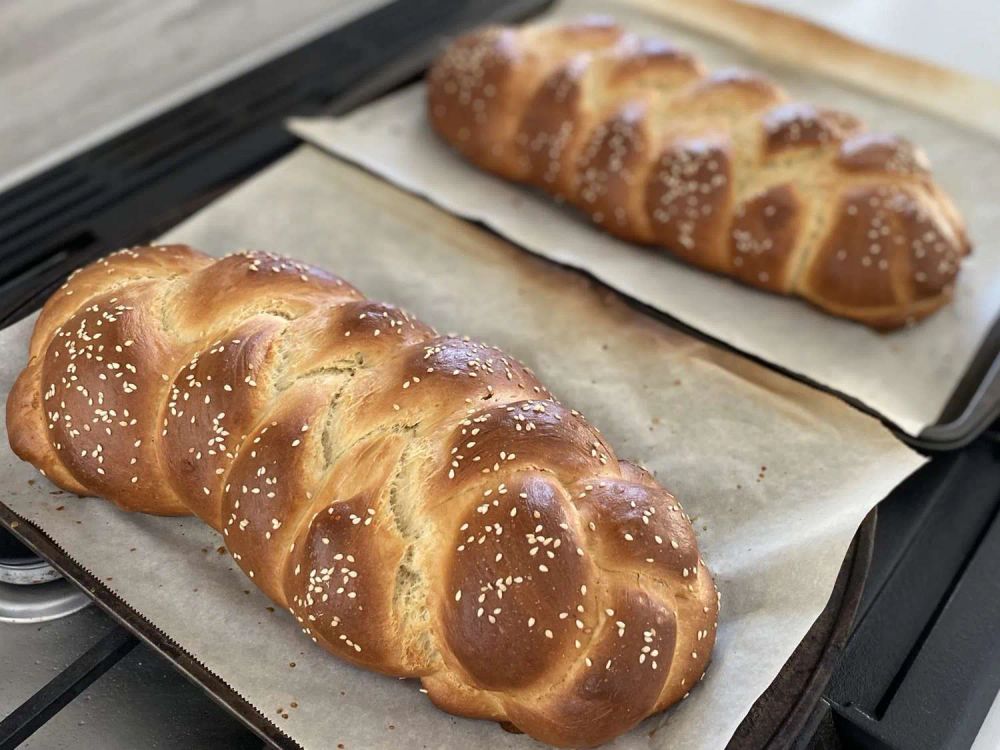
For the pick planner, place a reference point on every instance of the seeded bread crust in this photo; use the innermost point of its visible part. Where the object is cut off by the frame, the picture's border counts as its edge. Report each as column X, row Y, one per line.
column 418, row 502
column 719, row 169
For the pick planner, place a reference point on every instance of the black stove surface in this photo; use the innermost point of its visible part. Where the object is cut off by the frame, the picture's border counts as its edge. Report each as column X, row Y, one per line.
column 922, row 667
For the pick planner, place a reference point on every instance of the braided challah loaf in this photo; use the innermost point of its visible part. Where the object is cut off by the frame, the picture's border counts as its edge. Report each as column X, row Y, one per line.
column 420, row 503
column 720, row 169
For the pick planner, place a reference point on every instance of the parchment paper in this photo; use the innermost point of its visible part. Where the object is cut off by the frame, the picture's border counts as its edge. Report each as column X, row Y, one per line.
column 906, row 376
column 707, row 422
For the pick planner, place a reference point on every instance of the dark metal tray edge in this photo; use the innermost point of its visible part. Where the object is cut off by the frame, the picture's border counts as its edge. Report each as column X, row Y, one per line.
column 805, row 675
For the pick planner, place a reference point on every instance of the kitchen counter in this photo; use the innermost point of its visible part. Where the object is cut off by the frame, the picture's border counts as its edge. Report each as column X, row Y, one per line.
column 74, row 72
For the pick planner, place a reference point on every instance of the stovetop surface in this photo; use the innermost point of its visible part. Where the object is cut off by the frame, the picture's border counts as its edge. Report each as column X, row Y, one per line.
column 140, row 702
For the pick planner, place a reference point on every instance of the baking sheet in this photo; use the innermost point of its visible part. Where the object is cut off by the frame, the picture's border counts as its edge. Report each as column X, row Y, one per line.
column 906, row 376
column 707, row 422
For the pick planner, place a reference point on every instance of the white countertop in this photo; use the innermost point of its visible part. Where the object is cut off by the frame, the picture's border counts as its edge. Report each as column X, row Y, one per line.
column 74, row 72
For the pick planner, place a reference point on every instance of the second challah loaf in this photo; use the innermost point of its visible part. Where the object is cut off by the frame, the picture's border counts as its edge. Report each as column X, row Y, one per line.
column 418, row 502
column 718, row 168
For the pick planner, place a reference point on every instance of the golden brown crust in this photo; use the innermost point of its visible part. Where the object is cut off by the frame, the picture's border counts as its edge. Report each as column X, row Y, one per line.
column 728, row 92
column 418, row 502
column 477, row 100
column 764, row 234
column 646, row 63
column 206, row 418
column 341, row 584
column 517, row 591
column 486, row 78
column 104, row 371
column 877, row 153
column 797, row 125
column 547, row 134
column 717, row 168
column 886, row 254
column 610, row 165
column 622, row 680
column 689, row 190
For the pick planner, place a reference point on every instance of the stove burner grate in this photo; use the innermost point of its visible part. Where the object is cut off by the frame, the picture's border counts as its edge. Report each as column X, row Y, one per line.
column 31, row 590
column 26, row 571
column 40, row 602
